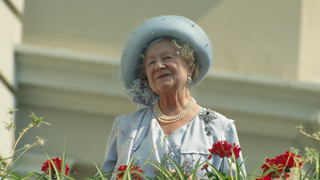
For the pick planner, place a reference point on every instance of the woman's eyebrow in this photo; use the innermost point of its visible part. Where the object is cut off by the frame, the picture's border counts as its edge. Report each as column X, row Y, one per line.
column 149, row 57
column 167, row 52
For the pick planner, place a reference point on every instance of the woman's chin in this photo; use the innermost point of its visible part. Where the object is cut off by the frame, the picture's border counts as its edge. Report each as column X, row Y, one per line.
column 163, row 88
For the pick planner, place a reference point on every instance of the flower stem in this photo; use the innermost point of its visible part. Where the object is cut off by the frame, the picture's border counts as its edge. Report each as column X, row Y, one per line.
column 34, row 144
column 14, row 147
column 303, row 132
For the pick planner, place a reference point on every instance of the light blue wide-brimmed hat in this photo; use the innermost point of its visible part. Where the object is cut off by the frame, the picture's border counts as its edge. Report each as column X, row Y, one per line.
column 172, row 26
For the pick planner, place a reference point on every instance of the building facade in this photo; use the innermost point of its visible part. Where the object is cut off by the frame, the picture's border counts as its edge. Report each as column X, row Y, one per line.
column 265, row 73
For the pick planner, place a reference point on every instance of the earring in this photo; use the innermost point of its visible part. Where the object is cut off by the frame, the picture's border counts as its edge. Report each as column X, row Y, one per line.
column 189, row 79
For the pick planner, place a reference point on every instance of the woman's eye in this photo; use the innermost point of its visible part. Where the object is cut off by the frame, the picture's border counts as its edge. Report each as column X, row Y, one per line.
column 150, row 62
column 167, row 57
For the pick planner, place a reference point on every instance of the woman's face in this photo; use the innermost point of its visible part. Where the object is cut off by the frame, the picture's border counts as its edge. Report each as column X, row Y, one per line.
column 166, row 70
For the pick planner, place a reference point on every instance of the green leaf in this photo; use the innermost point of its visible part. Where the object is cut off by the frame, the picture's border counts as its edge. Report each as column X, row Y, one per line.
column 2, row 160
column 318, row 165
column 100, row 173
column 255, row 170
column 242, row 163
column 194, row 174
column 299, row 127
column 63, row 163
column 11, row 111
column 37, row 121
column 234, row 158
column 178, row 169
column 315, row 172
column 309, row 170
column 41, row 176
column 28, row 176
column 11, row 173
column 68, row 177
column 221, row 177
column 127, row 172
column 272, row 168
column 50, row 173
column 299, row 169
column 162, row 169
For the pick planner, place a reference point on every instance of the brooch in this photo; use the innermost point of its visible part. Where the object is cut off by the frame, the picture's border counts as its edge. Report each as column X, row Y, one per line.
column 207, row 115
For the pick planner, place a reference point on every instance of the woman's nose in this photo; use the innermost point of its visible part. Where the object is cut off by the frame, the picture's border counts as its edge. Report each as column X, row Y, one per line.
column 159, row 64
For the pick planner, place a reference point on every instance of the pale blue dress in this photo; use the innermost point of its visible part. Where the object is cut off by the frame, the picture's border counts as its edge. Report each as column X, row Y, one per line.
column 138, row 134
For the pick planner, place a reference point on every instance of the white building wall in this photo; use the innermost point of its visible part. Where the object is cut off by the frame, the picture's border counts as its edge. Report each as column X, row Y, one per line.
column 10, row 35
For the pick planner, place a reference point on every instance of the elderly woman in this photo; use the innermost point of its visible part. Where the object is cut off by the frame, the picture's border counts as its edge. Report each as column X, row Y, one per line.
column 161, row 61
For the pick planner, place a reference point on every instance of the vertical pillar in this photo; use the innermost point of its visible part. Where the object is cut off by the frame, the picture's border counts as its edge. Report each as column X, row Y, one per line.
column 10, row 35
column 309, row 54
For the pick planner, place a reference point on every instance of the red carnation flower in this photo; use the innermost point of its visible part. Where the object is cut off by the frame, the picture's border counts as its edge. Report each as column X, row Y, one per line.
column 288, row 159
column 224, row 149
column 57, row 162
column 205, row 167
column 264, row 178
column 282, row 164
column 134, row 175
column 272, row 163
column 236, row 150
column 221, row 148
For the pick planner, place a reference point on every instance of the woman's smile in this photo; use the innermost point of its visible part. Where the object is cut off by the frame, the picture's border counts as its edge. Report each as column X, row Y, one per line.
column 165, row 69
column 163, row 76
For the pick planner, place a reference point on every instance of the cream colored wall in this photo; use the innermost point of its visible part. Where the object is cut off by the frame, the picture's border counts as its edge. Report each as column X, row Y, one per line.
column 309, row 54
column 99, row 27
column 259, row 38
column 10, row 35
column 253, row 37
column 66, row 60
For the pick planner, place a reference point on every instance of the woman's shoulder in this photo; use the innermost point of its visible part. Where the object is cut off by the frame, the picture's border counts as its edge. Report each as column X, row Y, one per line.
column 129, row 123
column 129, row 118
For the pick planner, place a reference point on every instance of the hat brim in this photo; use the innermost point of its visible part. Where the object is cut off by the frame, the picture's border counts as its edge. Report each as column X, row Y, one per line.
column 165, row 26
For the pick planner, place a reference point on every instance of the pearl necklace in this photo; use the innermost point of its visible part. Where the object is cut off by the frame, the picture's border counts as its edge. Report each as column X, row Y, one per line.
column 170, row 119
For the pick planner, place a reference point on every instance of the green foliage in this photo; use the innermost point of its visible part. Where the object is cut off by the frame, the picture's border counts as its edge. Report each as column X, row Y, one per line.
column 36, row 122
column 6, row 171
column 164, row 172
